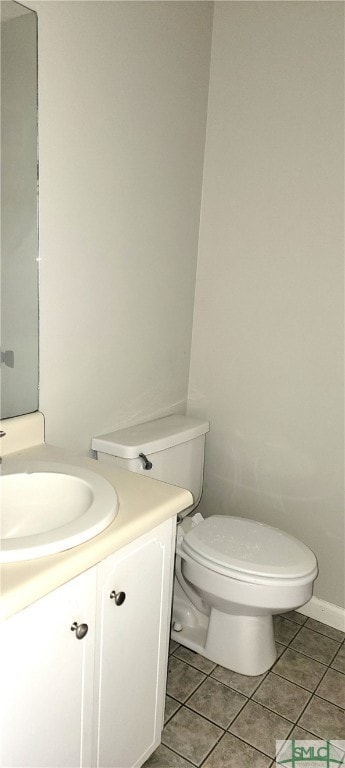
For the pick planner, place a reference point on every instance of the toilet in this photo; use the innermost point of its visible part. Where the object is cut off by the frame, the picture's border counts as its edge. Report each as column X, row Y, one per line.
column 231, row 574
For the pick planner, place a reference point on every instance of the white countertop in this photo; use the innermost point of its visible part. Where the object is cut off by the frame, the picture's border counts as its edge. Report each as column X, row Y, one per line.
column 143, row 504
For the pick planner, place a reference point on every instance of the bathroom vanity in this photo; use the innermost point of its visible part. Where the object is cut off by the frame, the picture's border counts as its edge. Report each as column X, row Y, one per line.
column 85, row 632
column 93, row 699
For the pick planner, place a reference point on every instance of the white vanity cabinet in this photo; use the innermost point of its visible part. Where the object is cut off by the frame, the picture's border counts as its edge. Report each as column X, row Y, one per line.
column 97, row 700
column 46, row 679
column 132, row 634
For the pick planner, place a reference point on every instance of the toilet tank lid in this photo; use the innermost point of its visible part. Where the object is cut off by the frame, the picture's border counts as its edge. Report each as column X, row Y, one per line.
column 150, row 437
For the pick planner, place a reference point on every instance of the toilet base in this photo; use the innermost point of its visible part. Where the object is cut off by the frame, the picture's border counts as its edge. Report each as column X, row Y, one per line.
column 194, row 627
column 244, row 644
column 249, row 648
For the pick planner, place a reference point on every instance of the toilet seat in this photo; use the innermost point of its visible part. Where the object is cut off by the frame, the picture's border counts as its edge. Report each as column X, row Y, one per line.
column 247, row 550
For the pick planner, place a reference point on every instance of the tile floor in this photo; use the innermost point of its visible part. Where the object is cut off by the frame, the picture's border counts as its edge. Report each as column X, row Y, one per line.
column 215, row 718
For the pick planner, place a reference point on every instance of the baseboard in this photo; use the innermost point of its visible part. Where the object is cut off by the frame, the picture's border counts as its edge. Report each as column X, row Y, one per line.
column 328, row 613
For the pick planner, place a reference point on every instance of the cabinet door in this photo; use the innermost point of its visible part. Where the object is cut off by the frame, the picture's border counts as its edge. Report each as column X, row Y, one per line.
column 46, row 679
column 132, row 640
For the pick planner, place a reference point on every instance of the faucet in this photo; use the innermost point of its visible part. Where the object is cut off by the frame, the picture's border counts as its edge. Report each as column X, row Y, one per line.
column 2, row 434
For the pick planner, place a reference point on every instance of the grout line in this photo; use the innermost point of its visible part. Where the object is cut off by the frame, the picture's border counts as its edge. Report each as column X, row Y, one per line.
column 327, row 667
column 215, row 679
column 339, row 642
column 328, row 701
column 302, row 687
column 247, row 743
column 240, row 693
column 283, row 642
column 337, row 651
column 318, row 631
column 195, row 690
column 211, row 750
column 193, row 665
column 287, row 679
column 298, row 650
column 208, row 719
column 174, row 713
column 320, row 681
column 274, row 712
column 313, row 693
column 317, row 736
column 179, row 755
column 234, row 717
column 236, row 690
column 252, row 745
column 288, row 618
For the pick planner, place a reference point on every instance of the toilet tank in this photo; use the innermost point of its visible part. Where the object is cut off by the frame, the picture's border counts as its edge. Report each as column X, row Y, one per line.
column 174, row 445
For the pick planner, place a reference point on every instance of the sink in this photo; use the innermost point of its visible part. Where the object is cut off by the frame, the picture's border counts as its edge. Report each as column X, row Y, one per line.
column 48, row 507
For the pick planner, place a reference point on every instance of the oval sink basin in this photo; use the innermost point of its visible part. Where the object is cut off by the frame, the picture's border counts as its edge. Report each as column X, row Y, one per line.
column 47, row 507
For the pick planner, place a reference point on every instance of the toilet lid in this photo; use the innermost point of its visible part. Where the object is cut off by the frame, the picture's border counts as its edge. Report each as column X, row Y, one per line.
column 248, row 547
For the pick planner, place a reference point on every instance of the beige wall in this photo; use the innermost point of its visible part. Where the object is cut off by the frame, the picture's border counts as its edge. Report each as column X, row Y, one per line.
column 123, row 98
column 267, row 350
column 122, row 108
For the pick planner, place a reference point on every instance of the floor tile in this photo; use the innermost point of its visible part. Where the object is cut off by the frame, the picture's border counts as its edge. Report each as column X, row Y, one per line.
column 280, row 649
column 284, row 630
column 297, row 668
column 173, row 645
column 324, row 629
column 217, row 702
column 233, row 753
column 283, row 697
column 165, row 758
column 242, row 683
column 195, row 659
column 332, row 688
column 204, row 699
column 323, row 719
column 299, row 618
column 339, row 661
column 314, row 644
column 300, row 734
column 182, row 679
column 190, row 735
column 260, row 727
column 171, row 706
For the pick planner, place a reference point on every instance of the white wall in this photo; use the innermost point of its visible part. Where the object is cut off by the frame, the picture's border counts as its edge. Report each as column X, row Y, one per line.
column 122, row 113
column 267, row 350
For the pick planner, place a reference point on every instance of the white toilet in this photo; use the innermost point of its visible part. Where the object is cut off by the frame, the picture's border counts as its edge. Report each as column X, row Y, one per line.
column 231, row 574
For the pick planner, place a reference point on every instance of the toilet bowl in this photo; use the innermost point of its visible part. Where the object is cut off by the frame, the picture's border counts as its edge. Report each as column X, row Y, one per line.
column 231, row 575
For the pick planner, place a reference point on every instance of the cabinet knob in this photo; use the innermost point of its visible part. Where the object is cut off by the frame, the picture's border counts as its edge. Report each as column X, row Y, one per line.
column 119, row 597
column 80, row 630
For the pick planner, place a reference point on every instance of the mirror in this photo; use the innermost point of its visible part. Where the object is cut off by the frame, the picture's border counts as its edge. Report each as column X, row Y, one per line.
column 19, row 211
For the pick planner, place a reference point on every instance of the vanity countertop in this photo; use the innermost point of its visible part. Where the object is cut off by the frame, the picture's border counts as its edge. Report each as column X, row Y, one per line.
column 143, row 504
